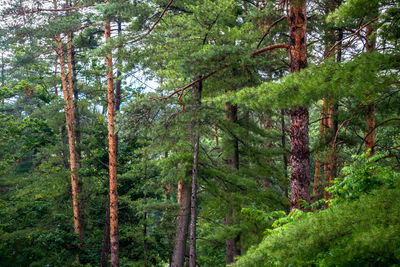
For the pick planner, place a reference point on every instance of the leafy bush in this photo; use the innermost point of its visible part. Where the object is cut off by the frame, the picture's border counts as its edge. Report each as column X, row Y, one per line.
column 362, row 229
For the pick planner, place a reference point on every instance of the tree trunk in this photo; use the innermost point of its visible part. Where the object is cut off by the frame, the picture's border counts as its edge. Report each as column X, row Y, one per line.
column 112, row 155
column 182, row 222
column 69, row 117
column 299, row 118
column 231, row 249
column 106, row 238
column 193, row 210
column 370, row 114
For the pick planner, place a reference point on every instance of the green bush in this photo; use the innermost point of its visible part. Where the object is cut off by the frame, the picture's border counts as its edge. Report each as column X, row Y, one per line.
column 362, row 231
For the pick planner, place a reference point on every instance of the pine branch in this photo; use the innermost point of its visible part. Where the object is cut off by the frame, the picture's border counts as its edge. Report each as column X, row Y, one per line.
column 181, row 90
column 348, row 36
column 54, row 10
column 155, row 23
column 269, row 29
column 270, row 47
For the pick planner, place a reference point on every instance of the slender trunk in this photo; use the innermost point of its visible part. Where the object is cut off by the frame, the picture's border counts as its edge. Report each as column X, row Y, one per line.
column 106, row 238
column 73, row 92
column 193, row 210
column 231, row 250
column 299, row 117
column 370, row 114
column 69, row 117
column 112, row 155
column 182, row 222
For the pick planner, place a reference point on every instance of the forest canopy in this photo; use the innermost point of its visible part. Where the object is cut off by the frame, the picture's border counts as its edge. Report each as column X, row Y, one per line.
column 200, row 133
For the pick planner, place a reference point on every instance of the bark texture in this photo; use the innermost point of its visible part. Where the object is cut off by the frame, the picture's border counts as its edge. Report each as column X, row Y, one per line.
column 193, row 209
column 300, row 155
column 112, row 155
column 106, row 238
column 182, row 223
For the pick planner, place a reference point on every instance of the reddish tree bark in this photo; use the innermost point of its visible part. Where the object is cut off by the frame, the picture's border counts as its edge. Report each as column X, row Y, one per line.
column 69, row 117
column 299, row 117
column 180, row 192
column 106, row 238
column 112, row 155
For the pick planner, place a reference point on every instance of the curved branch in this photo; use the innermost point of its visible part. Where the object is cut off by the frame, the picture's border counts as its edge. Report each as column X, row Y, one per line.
column 348, row 36
column 270, row 47
column 269, row 29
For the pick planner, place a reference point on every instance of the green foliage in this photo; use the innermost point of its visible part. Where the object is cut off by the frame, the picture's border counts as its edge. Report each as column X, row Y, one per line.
column 363, row 176
column 361, row 229
column 155, row 132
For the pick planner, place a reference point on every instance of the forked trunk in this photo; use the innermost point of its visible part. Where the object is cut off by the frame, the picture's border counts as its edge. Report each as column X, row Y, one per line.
column 69, row 117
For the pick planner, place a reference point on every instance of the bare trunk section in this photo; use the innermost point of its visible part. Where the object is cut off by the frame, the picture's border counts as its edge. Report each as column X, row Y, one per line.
column 370, row 112
column 196, row 91
column 69, row 117
column 299, row 117
column 112, row 155
column 73, row 92
column 231, row 250
column 179, row 192
column 182, row 222
column 106, row 238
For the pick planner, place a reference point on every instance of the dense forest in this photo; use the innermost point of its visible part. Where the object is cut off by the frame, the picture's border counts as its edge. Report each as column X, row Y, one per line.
column 200, row 133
